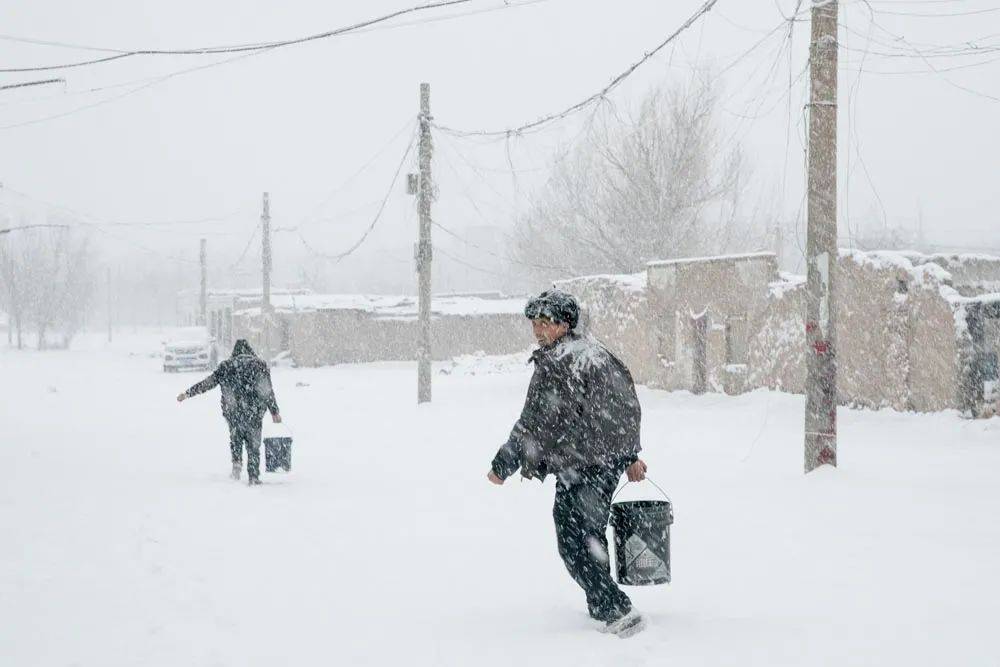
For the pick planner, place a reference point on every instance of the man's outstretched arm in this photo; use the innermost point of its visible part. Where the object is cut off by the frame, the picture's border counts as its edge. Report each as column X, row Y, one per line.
column 200, row 388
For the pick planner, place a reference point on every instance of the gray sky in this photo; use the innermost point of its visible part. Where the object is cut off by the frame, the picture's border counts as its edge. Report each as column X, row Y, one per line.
column 299, row 121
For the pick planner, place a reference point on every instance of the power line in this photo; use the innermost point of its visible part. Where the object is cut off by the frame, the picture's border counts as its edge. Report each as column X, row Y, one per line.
column 8, row 230
column 157, row 79
column 240, row 48
column 357, row 244
column 142, row 84
column 544, row 267
column 972, row 12
column 467, row 264
column 26, row 84
column 410, row 123
column 253, row 236
column 149, row 83
column 87, row 220
column 704, row 9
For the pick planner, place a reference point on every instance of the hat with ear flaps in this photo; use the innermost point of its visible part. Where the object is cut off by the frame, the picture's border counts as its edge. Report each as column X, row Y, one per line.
column 555, row 305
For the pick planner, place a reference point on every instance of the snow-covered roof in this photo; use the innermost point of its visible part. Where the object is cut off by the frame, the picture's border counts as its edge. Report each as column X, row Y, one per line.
column 716, row 258
column 635, row 282
column 787, row 283
column 397, row 305
column 911, row 263
column 245, row 292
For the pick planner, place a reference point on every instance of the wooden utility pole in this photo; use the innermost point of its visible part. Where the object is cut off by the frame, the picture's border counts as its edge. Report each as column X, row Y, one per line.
column 424, row 253
column 821, row 241
column 265, row 302
column 203, row 297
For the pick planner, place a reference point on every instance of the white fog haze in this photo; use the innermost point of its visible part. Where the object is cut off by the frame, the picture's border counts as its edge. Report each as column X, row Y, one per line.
column 246, row 198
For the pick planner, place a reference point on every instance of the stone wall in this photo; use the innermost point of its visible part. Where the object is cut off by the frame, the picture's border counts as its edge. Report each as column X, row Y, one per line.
column 616, row 310
column 732, row 293
column 323, row 337
column 778, row 341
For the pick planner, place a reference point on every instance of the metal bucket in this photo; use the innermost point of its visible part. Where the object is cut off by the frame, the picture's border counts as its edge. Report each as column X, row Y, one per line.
column 642, row 541
column 278, row 454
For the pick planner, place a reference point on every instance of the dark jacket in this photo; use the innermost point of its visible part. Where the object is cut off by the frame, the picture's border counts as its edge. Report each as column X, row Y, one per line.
column 246, row 388
column 581, row 411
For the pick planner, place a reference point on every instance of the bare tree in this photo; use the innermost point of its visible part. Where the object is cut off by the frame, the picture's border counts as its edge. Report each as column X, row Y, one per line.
column 47, row 281
column 14, row 286
column 655, row 184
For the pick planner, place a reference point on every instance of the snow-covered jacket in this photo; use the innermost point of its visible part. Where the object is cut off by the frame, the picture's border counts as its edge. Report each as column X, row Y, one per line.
column 581, row 410
column 245, row 381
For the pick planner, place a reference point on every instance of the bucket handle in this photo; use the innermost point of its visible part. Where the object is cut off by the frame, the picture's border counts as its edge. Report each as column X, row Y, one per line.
column 648, row 479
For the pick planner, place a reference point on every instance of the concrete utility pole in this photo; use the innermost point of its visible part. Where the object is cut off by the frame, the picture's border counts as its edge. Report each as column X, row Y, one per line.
column 203, row 297
column 821, row 241
column 265, row 302
column 424, row 253
column 265, row 223
column 109, row 304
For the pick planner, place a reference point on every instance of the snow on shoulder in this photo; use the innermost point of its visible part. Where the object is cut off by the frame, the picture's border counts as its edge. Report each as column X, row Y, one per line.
column 585, row 351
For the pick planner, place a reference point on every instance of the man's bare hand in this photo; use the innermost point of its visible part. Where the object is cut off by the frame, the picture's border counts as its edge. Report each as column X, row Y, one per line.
column 637, row 471
column 276, row 418
column 493, row 477
column 181, row 397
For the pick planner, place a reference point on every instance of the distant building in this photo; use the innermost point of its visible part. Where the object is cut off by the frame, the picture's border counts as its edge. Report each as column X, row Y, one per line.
column 914, row 332
column 323, row 329
column 221, row 304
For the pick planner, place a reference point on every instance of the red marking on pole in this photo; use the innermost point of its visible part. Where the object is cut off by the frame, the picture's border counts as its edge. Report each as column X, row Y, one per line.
column 821, row 347
column 811, row 326
column 827, row 457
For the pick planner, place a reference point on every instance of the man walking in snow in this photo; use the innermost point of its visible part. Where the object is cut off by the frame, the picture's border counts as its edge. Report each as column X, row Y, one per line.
column 246, row 394
column 580, row 422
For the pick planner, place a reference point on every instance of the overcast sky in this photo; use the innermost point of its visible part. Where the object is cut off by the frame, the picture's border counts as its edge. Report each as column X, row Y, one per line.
column 299, row 121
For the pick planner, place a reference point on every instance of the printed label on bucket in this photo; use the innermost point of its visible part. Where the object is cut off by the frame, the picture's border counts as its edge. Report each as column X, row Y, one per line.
column 639, row 557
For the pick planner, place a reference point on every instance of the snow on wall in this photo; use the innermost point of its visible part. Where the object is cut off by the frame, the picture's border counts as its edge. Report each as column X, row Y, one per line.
column 777, row 346
column 631, row 282
column 712, row 259
column 616, row 310
column 397, row 306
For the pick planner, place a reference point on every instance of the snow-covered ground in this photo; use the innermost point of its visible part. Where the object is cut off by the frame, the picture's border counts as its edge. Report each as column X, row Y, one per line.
column 124, row 542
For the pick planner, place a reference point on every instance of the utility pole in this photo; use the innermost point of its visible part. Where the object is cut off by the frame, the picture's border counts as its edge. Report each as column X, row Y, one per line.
column 203, row 298
column 424, row 253
column 779, row 244
column 109, row 304
column 821, row 241
column 265, row 304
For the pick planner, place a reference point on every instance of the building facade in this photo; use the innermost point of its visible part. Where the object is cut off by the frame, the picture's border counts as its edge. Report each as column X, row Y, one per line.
column 914, row 332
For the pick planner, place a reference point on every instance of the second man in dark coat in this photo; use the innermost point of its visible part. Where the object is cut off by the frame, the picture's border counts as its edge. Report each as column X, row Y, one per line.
column 247, row 394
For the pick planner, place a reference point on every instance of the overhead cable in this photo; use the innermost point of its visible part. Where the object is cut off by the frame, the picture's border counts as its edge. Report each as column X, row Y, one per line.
column 378, row 215
column 241, row 48
column 704, row 9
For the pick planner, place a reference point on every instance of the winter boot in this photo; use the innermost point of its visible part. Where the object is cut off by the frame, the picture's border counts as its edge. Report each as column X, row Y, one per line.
column 630, row 624
column 237, row 470
column 253, row 481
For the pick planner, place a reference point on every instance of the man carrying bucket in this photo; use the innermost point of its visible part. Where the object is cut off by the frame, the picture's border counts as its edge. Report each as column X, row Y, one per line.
column 246, row 395
column 580, row 422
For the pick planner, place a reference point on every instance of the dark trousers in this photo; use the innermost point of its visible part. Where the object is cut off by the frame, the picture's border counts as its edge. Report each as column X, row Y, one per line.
column 246, row 433
column 581, row 510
